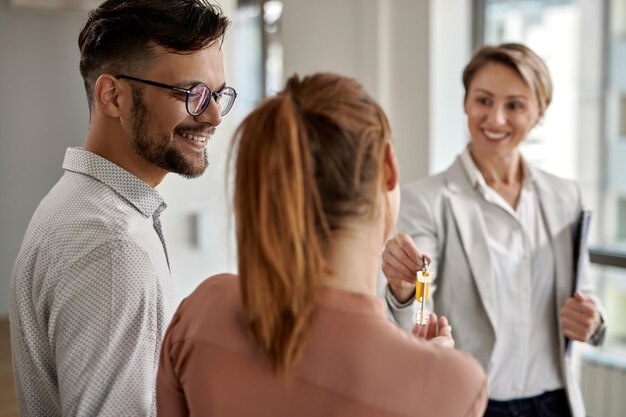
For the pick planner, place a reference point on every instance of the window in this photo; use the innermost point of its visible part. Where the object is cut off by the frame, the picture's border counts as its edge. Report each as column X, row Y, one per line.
column 622, row 117
column 551, row 29
column 621, row 219
column 258, row 52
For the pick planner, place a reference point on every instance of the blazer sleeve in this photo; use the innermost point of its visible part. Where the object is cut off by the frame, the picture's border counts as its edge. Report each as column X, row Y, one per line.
column 416, row 219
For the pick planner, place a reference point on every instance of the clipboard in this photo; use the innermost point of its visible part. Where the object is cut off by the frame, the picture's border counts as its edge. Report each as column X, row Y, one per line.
column 580, row 250
column 580, row 247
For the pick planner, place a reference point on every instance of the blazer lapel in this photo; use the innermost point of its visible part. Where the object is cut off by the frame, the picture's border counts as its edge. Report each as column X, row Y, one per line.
column 555, row 215
column 473, row 235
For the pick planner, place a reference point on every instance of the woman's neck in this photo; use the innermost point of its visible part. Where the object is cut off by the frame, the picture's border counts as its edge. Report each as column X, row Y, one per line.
column 504, row 174
column 506, row 170
column 352, row 256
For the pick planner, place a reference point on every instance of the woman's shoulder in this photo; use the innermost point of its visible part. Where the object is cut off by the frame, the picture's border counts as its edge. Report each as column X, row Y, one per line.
column 424, row 192
column 215, row 302
column 212, row 288
column 410, row 351
column 548, row 179
column 430, row 182
column 451, row 382
column 453, row 179
column 215, row 290
column 566, row 189
column 455, row 374
column 219, row 282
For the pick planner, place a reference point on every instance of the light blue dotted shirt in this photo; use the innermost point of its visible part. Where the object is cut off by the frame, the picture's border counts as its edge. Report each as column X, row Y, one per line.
column 91, row 295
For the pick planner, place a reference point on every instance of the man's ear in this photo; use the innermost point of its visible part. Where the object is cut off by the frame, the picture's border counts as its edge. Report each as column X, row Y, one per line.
column 109, row 95
column 391, row 167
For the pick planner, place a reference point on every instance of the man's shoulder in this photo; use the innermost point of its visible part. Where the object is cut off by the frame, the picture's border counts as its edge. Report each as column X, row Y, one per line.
column 83, row 191
column 79, row 218
column 79, row 204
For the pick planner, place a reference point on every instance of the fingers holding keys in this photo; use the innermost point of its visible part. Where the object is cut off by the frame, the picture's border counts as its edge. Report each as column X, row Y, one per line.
column 580, row 318
column 402, row 259
column 400, row 262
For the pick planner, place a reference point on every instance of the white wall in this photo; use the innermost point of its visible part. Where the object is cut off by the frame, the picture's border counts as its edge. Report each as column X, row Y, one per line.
column 42, row 111
column 450, row 51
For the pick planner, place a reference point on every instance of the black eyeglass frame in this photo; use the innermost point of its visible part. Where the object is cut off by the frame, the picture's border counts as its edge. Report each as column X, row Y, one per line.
column 217, row 95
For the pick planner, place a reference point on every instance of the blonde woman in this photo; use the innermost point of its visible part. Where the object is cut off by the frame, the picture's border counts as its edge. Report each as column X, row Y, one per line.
column 500, row 235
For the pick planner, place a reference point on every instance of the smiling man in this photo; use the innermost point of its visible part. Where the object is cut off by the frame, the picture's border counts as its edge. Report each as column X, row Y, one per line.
column 91, row 292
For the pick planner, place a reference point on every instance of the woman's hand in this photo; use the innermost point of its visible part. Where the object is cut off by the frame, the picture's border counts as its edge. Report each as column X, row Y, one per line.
column 400, row 262
column 579, row 317
column 435, row 331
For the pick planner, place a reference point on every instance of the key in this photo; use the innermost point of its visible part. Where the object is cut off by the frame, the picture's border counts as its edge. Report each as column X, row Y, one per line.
column 422, row 291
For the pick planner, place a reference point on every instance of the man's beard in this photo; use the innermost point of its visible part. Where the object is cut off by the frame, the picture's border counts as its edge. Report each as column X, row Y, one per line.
column 159, row 150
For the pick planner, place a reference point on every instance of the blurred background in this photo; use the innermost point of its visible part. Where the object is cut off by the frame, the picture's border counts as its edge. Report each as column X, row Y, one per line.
column 409, row 54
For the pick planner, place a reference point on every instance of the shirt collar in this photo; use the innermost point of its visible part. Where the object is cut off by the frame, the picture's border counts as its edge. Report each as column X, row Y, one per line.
column 143, row 197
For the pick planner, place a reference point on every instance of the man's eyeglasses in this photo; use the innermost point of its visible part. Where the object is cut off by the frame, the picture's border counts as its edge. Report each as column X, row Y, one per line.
column 198, row 96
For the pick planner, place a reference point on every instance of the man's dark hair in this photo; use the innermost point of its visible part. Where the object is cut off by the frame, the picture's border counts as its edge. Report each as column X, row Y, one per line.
column 119, row 35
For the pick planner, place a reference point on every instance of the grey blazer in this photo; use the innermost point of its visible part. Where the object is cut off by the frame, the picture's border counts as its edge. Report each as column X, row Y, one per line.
column 442, row 215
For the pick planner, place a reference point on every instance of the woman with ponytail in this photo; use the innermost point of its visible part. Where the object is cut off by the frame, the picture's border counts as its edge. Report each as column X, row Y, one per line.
column 300, row 331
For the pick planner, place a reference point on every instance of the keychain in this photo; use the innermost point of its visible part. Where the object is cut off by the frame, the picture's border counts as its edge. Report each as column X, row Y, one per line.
column 422, row 291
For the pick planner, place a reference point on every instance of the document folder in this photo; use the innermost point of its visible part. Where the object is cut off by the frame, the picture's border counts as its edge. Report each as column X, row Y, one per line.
column 580, row 256
column 580, row 248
